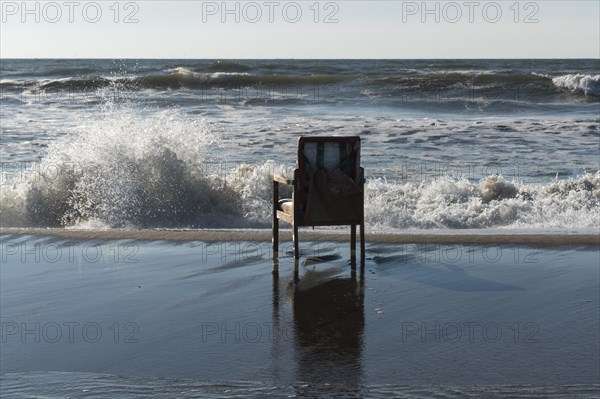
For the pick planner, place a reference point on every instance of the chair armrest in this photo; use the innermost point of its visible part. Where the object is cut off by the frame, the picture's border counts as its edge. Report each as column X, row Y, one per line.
column 283, row 180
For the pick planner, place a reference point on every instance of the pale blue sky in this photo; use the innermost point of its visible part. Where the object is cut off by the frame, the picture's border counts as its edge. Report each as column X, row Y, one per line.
column 358, row 29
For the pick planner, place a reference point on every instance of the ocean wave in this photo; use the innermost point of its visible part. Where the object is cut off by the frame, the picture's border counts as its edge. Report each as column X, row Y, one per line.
column 533, row 87
column 491, row 202
column 579, row 83
column 136, row 170
column 160, row 191
column 450, row 78
column 177, row 78
column 528, row 87
column 157, row 188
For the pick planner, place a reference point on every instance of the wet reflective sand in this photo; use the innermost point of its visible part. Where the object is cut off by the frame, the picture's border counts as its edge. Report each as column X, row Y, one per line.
column 191, row 318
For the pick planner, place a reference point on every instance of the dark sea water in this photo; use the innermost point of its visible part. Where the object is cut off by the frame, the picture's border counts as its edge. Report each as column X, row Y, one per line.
column 447, row 144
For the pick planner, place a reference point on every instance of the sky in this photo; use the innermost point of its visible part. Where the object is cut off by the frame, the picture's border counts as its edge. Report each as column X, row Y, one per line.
column 300, row 29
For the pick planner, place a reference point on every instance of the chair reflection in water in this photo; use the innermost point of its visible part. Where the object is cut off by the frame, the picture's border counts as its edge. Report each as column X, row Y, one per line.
column 329, row 322
column 328, row 189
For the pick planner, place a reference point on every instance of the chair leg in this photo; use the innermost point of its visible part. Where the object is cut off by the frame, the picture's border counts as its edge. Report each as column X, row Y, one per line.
column 353, row 241
column 362, row 240
column 275, row 238
column 275, row 223
column 295, row 239
column 296, row 270
column 275, row 244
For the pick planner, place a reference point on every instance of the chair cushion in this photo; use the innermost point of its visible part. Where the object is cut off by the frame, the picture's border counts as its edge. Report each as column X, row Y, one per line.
column 286, row 205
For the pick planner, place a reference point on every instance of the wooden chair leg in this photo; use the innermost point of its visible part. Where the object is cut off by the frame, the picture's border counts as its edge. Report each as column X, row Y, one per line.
column 362, row 240
column 295, row 239
column 275, row 238
column 296, row 270
column 275, row 224
column 353, row 241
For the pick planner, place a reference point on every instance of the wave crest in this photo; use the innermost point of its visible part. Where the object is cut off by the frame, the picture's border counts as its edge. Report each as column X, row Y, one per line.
column 491, row 202
column 579, row 83
column 156, row 169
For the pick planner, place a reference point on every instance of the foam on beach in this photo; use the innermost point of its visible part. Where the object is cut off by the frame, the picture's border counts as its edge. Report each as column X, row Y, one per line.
column 130, row 170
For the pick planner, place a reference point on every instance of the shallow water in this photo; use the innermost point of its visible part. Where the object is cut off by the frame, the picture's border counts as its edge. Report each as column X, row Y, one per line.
column 85, row 318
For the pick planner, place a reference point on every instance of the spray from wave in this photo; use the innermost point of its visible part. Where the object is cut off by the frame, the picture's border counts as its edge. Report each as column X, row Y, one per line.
column 126, row 168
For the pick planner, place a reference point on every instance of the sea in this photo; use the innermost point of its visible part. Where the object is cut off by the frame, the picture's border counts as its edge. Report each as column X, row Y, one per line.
column 192, row 144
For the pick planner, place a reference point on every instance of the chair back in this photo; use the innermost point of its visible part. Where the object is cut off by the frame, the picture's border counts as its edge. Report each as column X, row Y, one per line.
column 331, row 153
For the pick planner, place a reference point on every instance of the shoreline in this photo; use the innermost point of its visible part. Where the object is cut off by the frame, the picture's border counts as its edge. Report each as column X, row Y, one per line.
column 421, row 237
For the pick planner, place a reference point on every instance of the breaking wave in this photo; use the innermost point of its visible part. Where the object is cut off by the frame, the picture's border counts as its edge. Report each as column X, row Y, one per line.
column 579, row 83
column 157, row 170
column 500, row 85
column 178, row 78
column 491, row 202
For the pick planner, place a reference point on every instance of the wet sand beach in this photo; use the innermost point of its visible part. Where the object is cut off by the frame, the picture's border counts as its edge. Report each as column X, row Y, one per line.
column 88, row 317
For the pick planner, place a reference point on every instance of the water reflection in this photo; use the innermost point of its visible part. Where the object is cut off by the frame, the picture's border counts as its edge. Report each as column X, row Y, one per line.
column 329, row 322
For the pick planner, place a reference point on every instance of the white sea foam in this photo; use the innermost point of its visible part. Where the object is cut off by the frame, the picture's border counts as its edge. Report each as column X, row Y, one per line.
column 491, row 202
column 579, row 83
column 126, row 167
column 132, row 172
column 188, row 73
